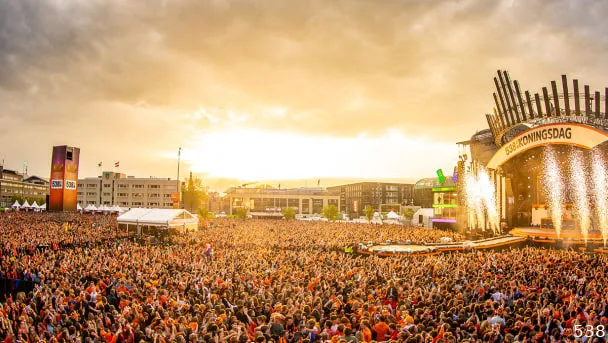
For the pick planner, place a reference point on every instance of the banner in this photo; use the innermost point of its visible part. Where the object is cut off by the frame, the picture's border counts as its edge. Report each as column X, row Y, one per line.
column 570, row 134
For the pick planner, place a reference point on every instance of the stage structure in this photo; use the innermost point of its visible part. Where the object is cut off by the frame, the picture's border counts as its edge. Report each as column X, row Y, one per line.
column 64, row 178
column 541, row 163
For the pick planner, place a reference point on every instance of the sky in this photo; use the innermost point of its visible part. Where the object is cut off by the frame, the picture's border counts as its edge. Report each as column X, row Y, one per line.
column 275, row 90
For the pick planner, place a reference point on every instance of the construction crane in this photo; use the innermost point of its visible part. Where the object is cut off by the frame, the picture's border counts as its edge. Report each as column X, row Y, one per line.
column 249, row 183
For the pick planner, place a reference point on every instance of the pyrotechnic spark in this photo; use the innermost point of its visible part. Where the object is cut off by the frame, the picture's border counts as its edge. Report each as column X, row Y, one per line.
column 600, row 192
column 555, row 191
column 578, row 183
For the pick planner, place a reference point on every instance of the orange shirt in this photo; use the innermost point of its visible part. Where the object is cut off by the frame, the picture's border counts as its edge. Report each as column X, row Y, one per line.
column 381, row 330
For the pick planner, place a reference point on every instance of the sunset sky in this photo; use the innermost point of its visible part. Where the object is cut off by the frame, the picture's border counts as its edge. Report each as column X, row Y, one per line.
column 279, row 90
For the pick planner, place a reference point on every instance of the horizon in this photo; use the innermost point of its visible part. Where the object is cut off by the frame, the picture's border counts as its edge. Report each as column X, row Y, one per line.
column 343, row 91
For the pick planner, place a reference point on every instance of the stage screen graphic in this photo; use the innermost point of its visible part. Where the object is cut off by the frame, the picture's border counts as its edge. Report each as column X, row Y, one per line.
column 64, row 178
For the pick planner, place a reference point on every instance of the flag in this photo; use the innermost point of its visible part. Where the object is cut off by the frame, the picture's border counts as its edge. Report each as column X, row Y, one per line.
column 117, row 164
column 99, row 164
column 440, row 334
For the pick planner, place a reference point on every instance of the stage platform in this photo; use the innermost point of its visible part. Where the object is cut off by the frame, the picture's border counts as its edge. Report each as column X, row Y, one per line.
column 438, row 248
column 549, row 235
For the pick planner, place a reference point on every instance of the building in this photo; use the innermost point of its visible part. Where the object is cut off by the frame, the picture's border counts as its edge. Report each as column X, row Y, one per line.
column 382, row 196
column 538, row 153
column 445, row 204
column 127, row 191
column 269, row 202
column 14, row 184
column 422, row 193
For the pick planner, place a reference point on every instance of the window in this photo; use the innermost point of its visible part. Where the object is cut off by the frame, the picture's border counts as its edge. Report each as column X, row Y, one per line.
column 169, row 204
column 137, row 195
column 106, row 194
column 153, row 186
column 167, row 195
column 153, row 195
column 80, row 194
column 91, row 194
column 81, row 185
column 106, row 203
column 138, row 186
column 91, row 185
column 152, row 204
column 123, row 185
column 123, row 203
column 137, row 203
column 107, row 185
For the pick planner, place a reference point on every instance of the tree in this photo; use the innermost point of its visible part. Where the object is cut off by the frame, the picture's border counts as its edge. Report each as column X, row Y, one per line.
column 331, row 212
column 288, row 212
column 241, row 212
column 194, row 195
column 369, row 212
column 409, row 213
column 203, row 213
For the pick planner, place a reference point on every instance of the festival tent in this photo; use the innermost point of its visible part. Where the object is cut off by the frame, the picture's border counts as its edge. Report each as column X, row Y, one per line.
column 90, row 208
column 116, row 209
column 16, row 205
column 392, row 215
column 158, row 218
column 42, row 207
column 25, row 205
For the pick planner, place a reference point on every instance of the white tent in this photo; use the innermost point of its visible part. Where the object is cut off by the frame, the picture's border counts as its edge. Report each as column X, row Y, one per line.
column 16, row 204
column 102, row 208
column 42, row 207
column 116, row 209
column 392, row 215
column 34, row 205
column 25, row 205
column 78, row 207
column 90, row 208
column 158, row 217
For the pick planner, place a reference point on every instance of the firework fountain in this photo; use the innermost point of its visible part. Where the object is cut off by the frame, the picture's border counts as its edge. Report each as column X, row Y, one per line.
column 578, row 185
column 600, row 192
column 555, row 193
column 480, row 197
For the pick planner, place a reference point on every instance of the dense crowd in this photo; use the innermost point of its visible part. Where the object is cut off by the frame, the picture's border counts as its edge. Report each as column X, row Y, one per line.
column 283, row 282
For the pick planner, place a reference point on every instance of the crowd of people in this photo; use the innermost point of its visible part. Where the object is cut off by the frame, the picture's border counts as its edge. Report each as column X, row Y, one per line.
column 284, row 282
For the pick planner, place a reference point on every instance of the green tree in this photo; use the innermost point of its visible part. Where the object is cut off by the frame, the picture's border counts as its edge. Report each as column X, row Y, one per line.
column 331, row 212
column 17, row 198
column 203, row 213
column 241, row 212
column 409, row 213
column 288, row 212
column 194, row 195
column 369, row 212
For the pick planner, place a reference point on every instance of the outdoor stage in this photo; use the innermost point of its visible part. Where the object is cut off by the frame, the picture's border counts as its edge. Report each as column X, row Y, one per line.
column 518, row 237
column 540, row 235
column 438, row 248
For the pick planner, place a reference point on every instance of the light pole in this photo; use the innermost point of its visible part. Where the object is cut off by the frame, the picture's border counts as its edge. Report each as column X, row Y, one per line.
column 179, row 154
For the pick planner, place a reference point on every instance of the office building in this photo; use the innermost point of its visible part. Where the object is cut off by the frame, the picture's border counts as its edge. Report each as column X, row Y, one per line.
column 14, row 184
column 128, row 191
column 382, row 196
column 269, row 202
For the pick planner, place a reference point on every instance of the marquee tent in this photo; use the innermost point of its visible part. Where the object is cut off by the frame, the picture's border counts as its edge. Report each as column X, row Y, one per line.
column 90, row 208
column 25, row 205
column 392, row 215
column 16, row 205
column 158, row 218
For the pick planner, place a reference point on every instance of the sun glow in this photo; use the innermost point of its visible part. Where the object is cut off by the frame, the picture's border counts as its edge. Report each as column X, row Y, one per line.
column 254, row 154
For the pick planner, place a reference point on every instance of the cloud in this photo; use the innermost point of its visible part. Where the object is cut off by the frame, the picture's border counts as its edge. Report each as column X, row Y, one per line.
column 124, row 77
